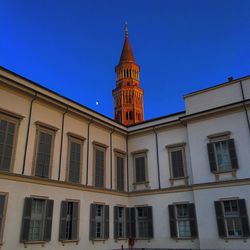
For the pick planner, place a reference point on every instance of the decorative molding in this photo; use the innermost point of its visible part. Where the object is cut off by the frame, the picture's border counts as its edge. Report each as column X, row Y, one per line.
column 47, row 126
column 96, row 143
column 79, row 137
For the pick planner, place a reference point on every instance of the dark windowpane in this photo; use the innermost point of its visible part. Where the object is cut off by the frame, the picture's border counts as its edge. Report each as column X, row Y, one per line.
column 120, row 173
column 140, row 169
column 177, row 164
column 43, row 155
column 74, row 162
column 99, row 168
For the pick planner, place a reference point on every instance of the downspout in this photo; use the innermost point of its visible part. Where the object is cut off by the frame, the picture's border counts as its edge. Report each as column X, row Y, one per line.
column 87, row 167
column 157, row 157
column 28, row 131
column 244, row 105
column 127, row 163
column 111, row 159
column 62, row 135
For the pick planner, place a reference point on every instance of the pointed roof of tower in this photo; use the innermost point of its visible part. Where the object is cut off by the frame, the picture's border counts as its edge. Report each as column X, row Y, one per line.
column 127, row 53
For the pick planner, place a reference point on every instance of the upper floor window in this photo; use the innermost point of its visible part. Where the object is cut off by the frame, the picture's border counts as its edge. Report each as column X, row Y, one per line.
column 119, row 171
column 140, row 167
column 37, row 220
column 232, row 218
column 222, row 153
column 8, row 136
column 69, row 220
column 3, row 206
column 177, row 161
column 99, row 221
column 99, row 164
column 44, row 150
column 182, row 220
column 75, row 144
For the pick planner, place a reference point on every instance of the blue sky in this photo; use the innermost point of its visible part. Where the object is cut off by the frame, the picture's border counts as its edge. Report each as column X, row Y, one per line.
column 72, row 46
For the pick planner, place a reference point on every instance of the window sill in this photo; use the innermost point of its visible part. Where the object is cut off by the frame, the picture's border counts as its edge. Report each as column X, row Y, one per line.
column 98, row 240
column 122, row 238
column 178, row 178
column 34, row 242
column 69, row 241
column 141, row 183
column 185, row 238
column 235, row 238
column 224, row 172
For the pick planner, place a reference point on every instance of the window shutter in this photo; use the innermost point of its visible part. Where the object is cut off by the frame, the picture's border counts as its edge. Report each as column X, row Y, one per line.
column 106, row 222
column 2, row 203
column 132, row 223
column 232, row 153
column 192, row 219
column 120, row 173
column 150, row 222
column 99, row 168
column 211, row 157
column 63, row 214
column 172, row 221
column 115, row 222
column 48, row 220
column 26, row 219
column 140, row 169
column 75, row 221
column 244, row 217
column 74, row 167
column 128, row 224
column 220, row 219
column 92, row 225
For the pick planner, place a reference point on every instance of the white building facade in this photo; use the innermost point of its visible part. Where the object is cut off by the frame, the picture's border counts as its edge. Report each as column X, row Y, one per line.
column 71, row 178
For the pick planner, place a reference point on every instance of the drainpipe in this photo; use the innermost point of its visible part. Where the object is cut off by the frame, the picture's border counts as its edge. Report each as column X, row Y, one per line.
column 28, row 131
column 127, row 163
column 244, row 105
column 157, row 157
column 62, row 135
column 87, row 167
column 111, row 154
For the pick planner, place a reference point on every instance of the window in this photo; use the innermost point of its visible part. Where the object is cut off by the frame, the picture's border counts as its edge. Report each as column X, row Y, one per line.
column 74, row 159
column 222, row 154
column 177, row 161
column 99, row 166
column 232, row 219
column 140, row 168
column 3, row 205
column 182, row 220
column 8, row 131
column 99, row 221
column 120, row 172
column 37, row 220
column 119, row 222
column 44, row 149
column 69, row 219
column 144, row 222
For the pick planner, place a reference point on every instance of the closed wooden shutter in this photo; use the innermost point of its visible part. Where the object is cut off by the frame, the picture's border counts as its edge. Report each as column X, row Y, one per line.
column 75, row 219
column 140, row 169
column 177, row 163
column 74, row 162
column 106, row 222
column 43, row 155
column 232, row 152
column 244, row 217
column 115, row 222
column 220, row 218
column 211, row 157
column 192, row 219
column 26, row 219
column 63, row 217
column 92, row 224
column 48, row 220
column 7, row 133
column 172, row 221
column 150, row 222
column 2, row 204
column 120, row 173
column 132, row 223
column 99, row 168
column 128, row 223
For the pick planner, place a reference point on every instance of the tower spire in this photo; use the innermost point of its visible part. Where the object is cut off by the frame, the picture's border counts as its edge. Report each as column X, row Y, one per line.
column 126, row 29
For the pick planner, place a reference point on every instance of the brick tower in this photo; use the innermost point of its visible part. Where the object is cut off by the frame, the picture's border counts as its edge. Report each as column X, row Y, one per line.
column 128, row 96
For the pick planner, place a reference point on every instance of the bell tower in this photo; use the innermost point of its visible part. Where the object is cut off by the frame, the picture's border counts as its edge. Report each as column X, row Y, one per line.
column 128, row 96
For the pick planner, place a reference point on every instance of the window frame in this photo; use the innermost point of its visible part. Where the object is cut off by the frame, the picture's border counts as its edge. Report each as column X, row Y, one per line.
column 80, row 140
column 16, row 119
column 48, row 129
column 173, row 148
column 123, row 156
column 102, row 147
column 137, row 154
column 2, row 225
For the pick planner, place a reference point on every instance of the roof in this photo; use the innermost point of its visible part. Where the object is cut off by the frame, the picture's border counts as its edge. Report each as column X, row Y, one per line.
column 127, row 53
